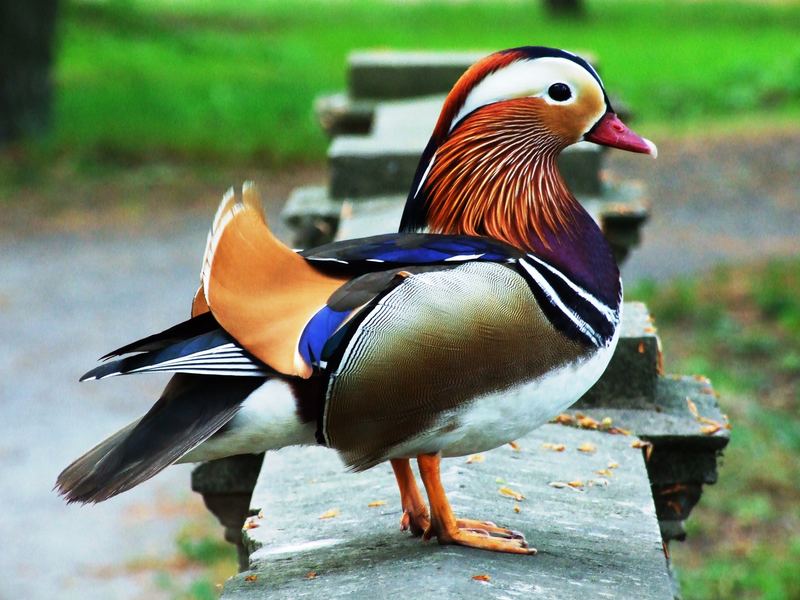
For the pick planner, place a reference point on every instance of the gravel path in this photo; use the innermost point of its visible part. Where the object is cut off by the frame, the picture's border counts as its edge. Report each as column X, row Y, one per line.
column 66, row 298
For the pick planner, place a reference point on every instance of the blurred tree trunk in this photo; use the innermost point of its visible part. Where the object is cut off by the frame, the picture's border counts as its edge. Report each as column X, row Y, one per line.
column 565, row 8
column 27, row 30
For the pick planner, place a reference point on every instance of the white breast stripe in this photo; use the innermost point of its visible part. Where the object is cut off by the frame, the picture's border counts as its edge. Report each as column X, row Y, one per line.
column 611, row 315
column 329, row 259
column 556, row 300
column 462, row 257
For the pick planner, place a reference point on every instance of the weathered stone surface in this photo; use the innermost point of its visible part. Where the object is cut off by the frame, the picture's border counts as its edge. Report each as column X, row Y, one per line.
column 312, row 216
column 601, row 541
column 339, row 114
column 686, row 445
column 384, row 162
column 402, row 74
column 630, row 379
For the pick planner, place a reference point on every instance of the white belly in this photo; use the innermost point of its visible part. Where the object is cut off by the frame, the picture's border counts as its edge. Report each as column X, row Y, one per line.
column 496, row 419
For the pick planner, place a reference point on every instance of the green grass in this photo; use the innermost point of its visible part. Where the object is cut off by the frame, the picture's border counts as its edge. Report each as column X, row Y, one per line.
column 741, row 327
column 227, row 81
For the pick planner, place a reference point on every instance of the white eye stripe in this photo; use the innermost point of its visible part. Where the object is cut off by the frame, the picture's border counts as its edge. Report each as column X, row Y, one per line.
column 528, row 78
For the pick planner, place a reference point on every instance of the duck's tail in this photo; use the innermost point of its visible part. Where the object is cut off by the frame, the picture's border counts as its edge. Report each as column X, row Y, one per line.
column 190, row 410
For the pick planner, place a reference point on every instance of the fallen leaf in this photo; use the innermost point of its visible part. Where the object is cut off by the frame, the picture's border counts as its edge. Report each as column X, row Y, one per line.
column 692, row 407
column 250, row 524
column 710, row 429
column 517, row 508
column 587, row 448
column 330, row 514
column 613, row 465
column 505, row 491
column 585, row 422
column 557, row 484
column 601, row 482
column 376, row 503
column 604, row 472
column 554, row 447
column 674, row 489
column 260, row 514
column 475, row 458
column 311, row 575
column 674, row 506
column 575, row 484
column 618, row 431
column 515, row 446
column 250, row 577
column 606, row 423
column 640, row 349
column 481, row 578
column 648, row 447
column 564, row 419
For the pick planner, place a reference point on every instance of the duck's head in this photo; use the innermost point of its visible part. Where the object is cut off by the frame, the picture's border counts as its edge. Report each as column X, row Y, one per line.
column 489, row 168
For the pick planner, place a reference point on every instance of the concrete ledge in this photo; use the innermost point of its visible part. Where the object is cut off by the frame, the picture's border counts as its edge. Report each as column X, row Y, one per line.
column 599, row 540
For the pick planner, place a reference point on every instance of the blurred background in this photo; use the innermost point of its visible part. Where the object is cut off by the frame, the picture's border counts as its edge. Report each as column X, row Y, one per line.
column 123, row 121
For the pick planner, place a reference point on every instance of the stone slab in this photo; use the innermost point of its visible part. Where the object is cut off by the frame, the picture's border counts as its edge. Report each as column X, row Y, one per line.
column 402, row 74
column 408, row 73
column 601, row 541
column 668, row 419
column 385, row 161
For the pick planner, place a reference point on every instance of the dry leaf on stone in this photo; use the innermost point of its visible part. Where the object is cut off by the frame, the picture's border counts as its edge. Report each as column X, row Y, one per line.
column 481, row 577
column 330, row 514
column 692, row 407
column 475, row 458
column 311, row 575
column 250, row 577
column 587, row 448
column 554, row 447
column 564, row 419
column 509, row 493
column 647, row 446
column 376, row 503
column 250, row 524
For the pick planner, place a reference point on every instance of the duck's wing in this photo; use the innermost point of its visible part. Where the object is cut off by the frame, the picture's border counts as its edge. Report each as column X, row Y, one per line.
column 264, row 309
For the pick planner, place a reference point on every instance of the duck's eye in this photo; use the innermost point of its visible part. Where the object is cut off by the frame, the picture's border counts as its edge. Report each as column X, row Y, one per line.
column 559, row 92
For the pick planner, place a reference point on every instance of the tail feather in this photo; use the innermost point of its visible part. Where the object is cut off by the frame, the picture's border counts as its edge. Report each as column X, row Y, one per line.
column 190, row 410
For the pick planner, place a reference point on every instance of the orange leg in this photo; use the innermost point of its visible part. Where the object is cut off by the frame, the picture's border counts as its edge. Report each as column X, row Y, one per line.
column 446, row 527
column 415, row 513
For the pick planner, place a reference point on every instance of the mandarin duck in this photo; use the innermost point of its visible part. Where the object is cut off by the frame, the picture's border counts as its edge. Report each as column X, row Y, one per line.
column 495, row 307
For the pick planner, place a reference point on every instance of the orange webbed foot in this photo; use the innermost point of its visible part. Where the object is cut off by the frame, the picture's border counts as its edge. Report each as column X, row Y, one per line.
column 447, row 529
column 481, row 539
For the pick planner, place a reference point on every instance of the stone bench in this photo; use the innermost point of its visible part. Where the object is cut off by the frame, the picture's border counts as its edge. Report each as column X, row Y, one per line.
column 317, row 531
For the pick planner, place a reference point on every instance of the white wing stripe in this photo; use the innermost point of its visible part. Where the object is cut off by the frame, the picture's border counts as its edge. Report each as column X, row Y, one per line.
column 556, row 300
column 611, row 315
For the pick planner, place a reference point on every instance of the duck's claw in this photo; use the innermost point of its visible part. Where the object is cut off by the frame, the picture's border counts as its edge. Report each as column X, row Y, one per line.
column 490, row 529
